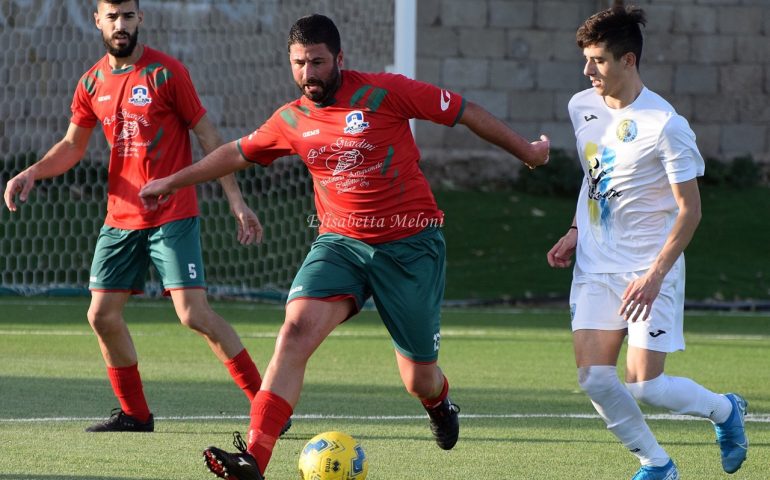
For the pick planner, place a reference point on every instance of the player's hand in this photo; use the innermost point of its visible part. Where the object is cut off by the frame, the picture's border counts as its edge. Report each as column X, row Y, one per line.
column 639, row 295
column 249, row 228
column 155, row 193
column 560, row 255
column 539, row 152
column 21, row 184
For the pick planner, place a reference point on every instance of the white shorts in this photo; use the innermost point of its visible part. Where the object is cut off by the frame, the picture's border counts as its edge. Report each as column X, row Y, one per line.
column 595, row 299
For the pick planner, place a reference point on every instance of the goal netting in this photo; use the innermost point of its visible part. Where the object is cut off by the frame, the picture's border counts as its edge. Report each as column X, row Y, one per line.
column 236, row 53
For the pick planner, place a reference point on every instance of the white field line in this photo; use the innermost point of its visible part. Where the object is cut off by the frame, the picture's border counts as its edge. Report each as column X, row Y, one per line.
column 448, row 332
column 753, row 418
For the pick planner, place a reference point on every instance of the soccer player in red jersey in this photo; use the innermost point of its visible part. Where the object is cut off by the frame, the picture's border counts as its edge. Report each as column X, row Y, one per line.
column 378, row 222
column 146, row 103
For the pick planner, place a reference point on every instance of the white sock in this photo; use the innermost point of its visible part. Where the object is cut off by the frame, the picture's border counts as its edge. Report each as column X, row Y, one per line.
column 621, row 413
column 682, row 395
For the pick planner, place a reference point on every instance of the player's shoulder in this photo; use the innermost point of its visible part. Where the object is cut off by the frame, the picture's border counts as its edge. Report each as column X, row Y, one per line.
column 583, row 99
column 375, row 79
column 153, row 57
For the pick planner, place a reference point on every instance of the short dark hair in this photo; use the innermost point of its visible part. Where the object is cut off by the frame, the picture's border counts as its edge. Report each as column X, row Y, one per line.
column 315, row 29
column 115, row 2
column 618, row 28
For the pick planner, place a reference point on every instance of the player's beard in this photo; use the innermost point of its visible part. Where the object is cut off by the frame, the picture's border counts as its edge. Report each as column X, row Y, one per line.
column 327, row 86
column 125, row 51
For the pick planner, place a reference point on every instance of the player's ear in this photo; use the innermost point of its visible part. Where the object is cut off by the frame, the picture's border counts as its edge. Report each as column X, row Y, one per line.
column 339, row 59
column 629, row 59
column 97, row 20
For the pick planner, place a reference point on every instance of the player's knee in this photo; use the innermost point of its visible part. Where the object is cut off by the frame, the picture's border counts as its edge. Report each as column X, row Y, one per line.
column 597, row 379
column 102, row 321
column 297, row 338
column 652, row 392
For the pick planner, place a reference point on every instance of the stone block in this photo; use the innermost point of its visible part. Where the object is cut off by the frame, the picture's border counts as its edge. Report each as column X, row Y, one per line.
column 482, row 43
column 530, row 44
column 715, row 108
column 428, row 13
column 696, row 79
column 560, row 76
column 740, row 20
column 752, row 48
column 512, row 14
column 531, row 106
column 660, row 19
column 561, row 135
column 741, row 139
column 553, row 15
column 707, row 138
column 465, row 72
column 741, row 79
column 461, row 13
column 712, row 49
column 429, row 70
column 561, row 100
column 695, row 19
column 658, row 77
column 437, row 42
column 666, row 48
column 494, row 101
column 512, row 75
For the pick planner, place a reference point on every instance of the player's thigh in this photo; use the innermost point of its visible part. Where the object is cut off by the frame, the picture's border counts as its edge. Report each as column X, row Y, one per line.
column 120, row 261
column 175, row 250
column 309, row 321
column 643, row 364
column 408, row 278
column 597, row 347
column 334, row 269
column 663, row 330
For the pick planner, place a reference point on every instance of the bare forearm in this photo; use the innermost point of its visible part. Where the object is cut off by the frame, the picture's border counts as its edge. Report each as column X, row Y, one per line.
column 221, row 162
column 60, row 158
column 494, row 131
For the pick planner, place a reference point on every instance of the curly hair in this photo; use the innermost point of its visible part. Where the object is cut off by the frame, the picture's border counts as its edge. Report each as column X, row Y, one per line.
column 618, row 28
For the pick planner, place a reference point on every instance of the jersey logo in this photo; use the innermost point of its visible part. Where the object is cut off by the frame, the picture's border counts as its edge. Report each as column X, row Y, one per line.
column 588, row 118
column 344, row 161
column 446, row 97
column 626, row 131
column 355, row 122
column 140, row 96
column 130, row 130
column 104, row 98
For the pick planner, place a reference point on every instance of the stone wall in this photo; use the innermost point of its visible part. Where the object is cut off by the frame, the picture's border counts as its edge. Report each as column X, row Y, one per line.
column 518, row 59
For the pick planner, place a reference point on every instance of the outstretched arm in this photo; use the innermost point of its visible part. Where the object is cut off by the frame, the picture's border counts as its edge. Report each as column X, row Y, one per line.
column 249, row 228
column 222, row 161
column 60, row 158
column 639, row 295
column 493, row 130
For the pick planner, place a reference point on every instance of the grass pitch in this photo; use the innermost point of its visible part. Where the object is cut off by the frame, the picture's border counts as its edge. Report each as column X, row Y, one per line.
column 511, row 371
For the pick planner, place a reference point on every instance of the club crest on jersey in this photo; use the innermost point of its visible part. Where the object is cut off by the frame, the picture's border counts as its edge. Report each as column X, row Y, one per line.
column 626, row 131
column 140, row 96
column 355, row 122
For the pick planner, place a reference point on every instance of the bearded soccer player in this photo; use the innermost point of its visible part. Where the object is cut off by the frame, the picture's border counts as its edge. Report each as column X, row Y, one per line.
column 146, row 103
column 377, row 219
column 638, row 209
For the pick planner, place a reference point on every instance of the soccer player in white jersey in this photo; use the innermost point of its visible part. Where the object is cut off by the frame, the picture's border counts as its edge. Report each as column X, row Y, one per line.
column 637, row 210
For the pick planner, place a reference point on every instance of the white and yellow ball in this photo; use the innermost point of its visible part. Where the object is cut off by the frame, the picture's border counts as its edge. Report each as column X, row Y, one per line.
column 333, row 456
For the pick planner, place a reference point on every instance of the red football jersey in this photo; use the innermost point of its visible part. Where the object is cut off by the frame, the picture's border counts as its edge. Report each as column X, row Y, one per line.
column 361, row 153
column 146, row 111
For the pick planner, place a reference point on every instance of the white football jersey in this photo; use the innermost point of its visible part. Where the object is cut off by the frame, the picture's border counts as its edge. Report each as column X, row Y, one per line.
column 630, row 156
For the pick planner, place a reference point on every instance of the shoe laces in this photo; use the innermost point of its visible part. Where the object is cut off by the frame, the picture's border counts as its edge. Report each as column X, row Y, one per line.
column 116, row 412
column 238, row 442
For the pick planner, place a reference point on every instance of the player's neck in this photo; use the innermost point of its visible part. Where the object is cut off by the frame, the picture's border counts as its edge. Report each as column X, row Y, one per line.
column 626, row 95
column 119, row 63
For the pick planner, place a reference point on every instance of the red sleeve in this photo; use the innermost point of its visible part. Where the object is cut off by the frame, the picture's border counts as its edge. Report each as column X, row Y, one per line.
column 415, row 99
column 267, row 143
column 188, row 105
column 82, row 113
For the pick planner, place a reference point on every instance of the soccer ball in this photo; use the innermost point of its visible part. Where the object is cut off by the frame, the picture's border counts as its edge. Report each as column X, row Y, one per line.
column 333, row 456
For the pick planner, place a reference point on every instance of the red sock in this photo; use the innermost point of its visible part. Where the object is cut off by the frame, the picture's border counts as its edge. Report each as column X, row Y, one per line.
column 434, row 402
column 245, row 373
column 127, row 386
column 269, row 413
